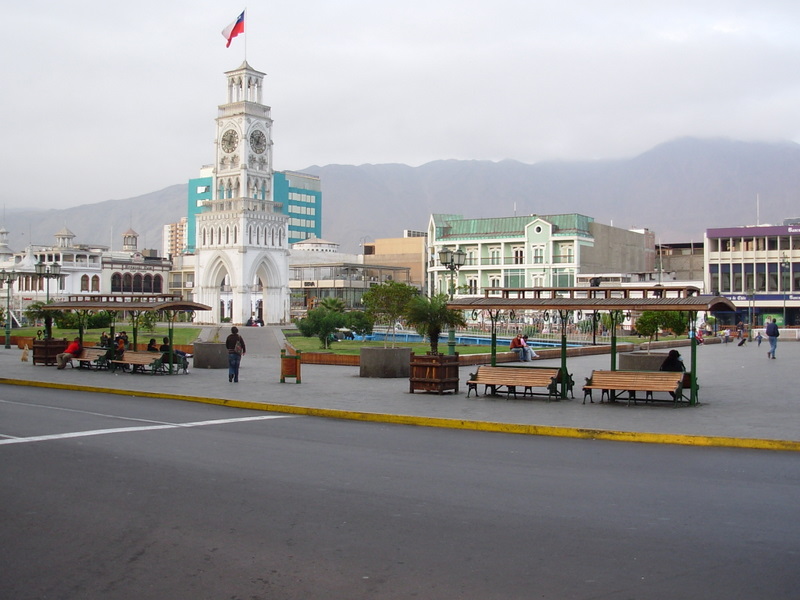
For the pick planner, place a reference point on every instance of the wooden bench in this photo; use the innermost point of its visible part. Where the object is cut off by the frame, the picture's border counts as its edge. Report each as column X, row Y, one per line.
column 91, row 357
column 613, row 383
column 139, row 361
column 512, row 378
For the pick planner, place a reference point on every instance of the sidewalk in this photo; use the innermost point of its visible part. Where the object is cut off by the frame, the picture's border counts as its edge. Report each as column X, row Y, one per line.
column 745, row 398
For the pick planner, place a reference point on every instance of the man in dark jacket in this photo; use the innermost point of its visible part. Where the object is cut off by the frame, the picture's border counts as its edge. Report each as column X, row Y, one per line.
column 772, row 335
column 236, row 349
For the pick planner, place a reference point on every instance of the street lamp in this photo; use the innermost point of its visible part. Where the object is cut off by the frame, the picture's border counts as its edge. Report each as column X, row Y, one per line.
column 452, row 261
column 784, row 282
column 49, row 272
column 8, row 278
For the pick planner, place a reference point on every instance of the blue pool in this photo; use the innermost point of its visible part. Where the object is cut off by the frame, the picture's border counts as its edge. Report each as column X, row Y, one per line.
column 471, row 340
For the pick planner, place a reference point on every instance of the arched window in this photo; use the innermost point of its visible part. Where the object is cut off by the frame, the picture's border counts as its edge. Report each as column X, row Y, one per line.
column 85, row 283
column 116, row 283
column 204, row 236
column 148, row 284
column 273, row 238
column 227, row 235
column 211, row 237
column 127, row 282
column 250, row 235
column 235, row 232
column 157, row 284
column 95, row 283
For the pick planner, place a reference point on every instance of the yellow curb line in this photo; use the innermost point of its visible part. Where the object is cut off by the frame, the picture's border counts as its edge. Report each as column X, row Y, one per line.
column 488, row 426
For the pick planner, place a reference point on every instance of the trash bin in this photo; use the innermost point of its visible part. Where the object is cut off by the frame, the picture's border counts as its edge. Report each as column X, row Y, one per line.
column 290, row 366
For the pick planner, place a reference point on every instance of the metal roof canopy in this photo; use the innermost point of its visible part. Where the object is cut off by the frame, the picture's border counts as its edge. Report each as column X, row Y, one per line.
column 169, row 304
column 596, row 299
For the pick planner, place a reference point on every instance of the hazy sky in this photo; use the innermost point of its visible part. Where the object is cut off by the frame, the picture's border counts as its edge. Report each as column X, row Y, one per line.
column 103, row 100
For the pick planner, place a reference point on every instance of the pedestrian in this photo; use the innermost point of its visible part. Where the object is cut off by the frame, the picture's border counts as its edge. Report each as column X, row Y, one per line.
column 236, row 349
column 740, row 334
column 67, row 355
column 759, row 339
column 531, row 353
column 726, row 336
column 673, row 362
column 519, row 346
column 772, row 332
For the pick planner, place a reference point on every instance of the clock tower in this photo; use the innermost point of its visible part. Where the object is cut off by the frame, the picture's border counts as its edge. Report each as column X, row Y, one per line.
column 242, row 235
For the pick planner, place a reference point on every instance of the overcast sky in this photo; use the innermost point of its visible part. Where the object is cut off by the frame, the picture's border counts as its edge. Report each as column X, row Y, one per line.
column 104, row 101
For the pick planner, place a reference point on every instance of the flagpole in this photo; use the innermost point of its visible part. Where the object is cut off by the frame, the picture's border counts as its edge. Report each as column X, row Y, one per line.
column 246, row 24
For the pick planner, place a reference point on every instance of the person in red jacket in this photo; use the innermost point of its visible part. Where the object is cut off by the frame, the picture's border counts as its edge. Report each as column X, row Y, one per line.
column 67, row 355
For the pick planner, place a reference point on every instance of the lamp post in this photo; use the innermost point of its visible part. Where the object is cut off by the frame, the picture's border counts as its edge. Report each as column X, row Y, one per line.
column 452, row 261
column 784, row 282
column 8, row 278
column 52, row 271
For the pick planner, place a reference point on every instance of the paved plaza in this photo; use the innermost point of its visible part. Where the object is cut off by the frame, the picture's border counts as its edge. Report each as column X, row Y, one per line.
column 745, row 398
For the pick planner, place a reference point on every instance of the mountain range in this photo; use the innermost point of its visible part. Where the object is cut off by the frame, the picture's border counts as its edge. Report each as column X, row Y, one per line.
column 677, row 190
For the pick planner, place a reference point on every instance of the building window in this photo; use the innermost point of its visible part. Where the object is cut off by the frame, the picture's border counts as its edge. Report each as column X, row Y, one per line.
column 85, row 283
column 519, row 256
column 158, row 284
column 116, row 283
column 95, row 283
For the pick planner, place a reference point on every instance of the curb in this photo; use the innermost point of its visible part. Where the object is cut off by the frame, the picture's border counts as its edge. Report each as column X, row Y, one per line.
column 487, row 426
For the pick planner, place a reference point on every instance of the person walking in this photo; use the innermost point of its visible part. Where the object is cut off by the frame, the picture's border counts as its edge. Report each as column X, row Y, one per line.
column 772, row 332
column 236, row 349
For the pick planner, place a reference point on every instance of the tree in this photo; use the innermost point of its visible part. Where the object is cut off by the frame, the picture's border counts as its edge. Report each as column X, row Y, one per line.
column 651, row 321
column 648, row 324
column 35, row 312
column 387, row 302
column 430, row 316
column 322, row 323
column 332, row 304
column 358, row 322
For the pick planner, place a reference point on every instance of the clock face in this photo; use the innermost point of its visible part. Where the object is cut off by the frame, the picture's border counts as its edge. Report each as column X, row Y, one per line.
column 258, row 141
column 230, row 139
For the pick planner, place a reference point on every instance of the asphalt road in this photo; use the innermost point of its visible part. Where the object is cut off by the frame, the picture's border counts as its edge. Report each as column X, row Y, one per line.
column 113, row 497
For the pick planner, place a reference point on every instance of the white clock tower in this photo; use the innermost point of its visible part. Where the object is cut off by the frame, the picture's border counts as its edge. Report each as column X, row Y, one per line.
column 242, row 249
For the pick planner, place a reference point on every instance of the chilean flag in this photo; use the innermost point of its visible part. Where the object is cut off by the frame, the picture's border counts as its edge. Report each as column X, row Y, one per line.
column 234, row 29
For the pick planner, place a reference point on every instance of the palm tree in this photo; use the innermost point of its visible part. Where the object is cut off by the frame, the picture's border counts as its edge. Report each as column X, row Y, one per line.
column 332, row 304
column 430, row 316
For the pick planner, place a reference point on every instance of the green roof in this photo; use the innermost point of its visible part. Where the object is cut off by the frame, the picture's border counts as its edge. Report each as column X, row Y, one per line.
column 456, row 226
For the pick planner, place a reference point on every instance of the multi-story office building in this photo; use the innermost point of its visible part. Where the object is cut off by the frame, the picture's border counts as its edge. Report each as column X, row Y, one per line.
column 174, row 241
column 300, row 194
column 758, row 269
column 536, row 251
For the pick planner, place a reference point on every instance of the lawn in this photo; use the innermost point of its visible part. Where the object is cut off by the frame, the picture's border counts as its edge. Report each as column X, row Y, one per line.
column 180, row 336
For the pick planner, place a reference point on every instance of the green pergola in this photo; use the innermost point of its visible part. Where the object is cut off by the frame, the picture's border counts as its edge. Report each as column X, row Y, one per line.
column 617, row 302
column 168, row 304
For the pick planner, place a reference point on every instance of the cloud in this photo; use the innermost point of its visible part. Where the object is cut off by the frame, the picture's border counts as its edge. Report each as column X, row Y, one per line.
column 111, row 101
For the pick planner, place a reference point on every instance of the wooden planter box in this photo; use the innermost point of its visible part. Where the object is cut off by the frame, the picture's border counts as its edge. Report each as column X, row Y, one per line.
column 45, row 351
column 434, row 373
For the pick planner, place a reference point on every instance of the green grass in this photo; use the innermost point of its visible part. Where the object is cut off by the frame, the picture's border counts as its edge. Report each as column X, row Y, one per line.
column 180, row 336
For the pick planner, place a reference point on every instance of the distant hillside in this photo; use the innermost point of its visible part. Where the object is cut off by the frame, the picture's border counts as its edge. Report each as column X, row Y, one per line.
column 101, row 222
column 677, row 190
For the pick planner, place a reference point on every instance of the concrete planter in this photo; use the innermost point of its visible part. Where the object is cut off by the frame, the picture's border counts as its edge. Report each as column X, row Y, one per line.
column 210, row 355
column 385, row 362
column 641, row 361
